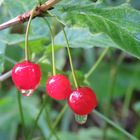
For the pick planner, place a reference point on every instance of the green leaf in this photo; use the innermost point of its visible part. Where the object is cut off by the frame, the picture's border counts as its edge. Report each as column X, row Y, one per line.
column 38, row 37
column 15, row 8
column 37, row 32
column 121, row 23
column 81, row 37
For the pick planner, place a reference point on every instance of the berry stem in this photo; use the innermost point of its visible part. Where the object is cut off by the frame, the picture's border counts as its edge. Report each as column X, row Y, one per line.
column 21, row 112
column 73, row 74
column 27, row 36
column 70, row 59
column 57, row 19
column 87, row 75
column 53, row 55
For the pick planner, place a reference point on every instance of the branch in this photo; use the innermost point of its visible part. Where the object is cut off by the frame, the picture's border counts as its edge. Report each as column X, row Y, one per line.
column 25, row 16
column 5, row 75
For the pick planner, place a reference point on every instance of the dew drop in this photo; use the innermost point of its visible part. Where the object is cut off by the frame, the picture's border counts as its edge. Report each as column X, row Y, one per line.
column 26, row 92
column 80, row 119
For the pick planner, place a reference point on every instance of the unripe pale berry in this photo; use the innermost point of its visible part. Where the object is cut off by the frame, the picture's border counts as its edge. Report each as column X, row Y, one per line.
column 82, row 101
column 26, row 77
column 58, row 87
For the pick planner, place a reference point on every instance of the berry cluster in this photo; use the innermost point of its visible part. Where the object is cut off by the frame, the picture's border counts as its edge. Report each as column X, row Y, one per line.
column 81, row 100
column 26, row 77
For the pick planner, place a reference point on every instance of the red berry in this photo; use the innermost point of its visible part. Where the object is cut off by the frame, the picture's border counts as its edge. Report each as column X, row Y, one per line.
column 26, row 77
column 58, row 87
column 82, row 101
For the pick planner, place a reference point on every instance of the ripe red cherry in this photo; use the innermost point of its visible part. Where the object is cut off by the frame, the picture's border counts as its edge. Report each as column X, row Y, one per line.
column 26, row 77
column 58, row 87
column 82, row 101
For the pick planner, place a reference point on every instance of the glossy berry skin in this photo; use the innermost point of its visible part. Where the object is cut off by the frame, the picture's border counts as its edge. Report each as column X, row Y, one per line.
column 26, row 76
column 58, row 87
column 82, row 101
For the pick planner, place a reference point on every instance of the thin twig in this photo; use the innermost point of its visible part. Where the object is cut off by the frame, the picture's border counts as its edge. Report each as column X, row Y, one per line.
column 25, row 16
column 5, row 75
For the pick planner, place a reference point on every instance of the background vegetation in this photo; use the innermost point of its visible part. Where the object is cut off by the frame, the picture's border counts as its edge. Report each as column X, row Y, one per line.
column 94, row 29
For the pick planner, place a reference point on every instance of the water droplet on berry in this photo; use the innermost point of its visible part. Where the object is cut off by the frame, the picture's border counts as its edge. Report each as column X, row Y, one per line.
column 26, row 92
column 80, row 119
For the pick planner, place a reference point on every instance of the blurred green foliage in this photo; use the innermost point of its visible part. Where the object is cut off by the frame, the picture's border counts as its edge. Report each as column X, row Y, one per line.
column 90, row 28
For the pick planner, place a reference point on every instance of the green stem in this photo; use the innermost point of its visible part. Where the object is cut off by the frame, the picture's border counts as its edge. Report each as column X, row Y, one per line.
column 128, row 96
column 114, row 125
column 49, row 122
column 27, row 36
column 87, row 75
column 21, row 113
column 70, row 59
column 59, row 21
column 127, row 99
column 53, row 55
column 68, row 49
column 37, row 118
column 60, row 115
column 114, row 72
column 111, row 89
column 58, row 118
